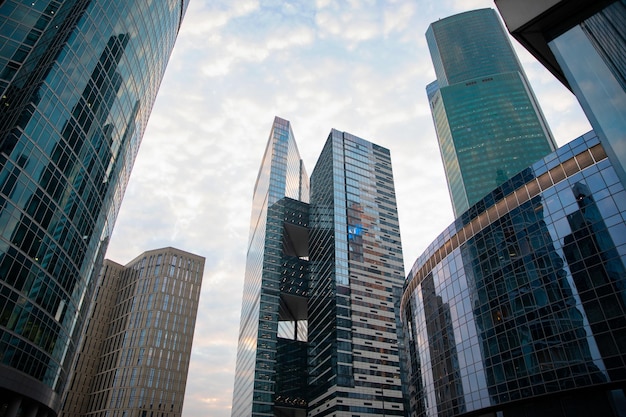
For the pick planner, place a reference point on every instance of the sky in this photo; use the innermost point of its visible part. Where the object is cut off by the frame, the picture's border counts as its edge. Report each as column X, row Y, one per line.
column 359, row 66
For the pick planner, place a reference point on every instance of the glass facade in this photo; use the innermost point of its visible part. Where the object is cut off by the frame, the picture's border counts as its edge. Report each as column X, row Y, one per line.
column 77, row 83
column 519, row 307
column 275, row 261
column 323, row 280
column 356, row 277
column 463, row 47
column 488, row 122
column 592, row 55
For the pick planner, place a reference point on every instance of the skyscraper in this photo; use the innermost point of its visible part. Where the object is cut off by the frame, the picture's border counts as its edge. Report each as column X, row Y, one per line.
column 488, row 122
column 319, row 315
column 77, row 82
column 357, row 274
column 583, row 44
column 274, row 256
column 518, row 308
column 135, row 353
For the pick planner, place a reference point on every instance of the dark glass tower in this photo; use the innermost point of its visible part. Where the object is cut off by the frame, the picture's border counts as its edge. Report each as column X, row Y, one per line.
column 319, row 316
column 77, row 82
column 275, row 286
column 488, row 122
column 357, row 273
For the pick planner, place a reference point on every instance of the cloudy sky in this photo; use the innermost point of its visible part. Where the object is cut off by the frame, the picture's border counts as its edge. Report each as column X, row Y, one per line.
column 359, row 66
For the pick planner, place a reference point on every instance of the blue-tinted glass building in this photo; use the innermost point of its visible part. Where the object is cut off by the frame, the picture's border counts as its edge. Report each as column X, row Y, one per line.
column 77, row 82
column 584, row 45
column 519, row 307
column 488, row 122
column 323, row 278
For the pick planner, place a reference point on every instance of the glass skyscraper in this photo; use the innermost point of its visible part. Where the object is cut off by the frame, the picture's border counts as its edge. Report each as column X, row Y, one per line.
column 357, row 273
column 277, row 258
column 488, row 122
column 323, row 278
column 518, row 309
column 77, row 82
column 584, row 45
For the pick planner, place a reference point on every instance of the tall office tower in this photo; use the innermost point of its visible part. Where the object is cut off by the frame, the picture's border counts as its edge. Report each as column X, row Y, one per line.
column 583, row 44
column 276, row 266
column 319, row 315
column 77, row 82
column 488, row 122
column 357, row 274
column 135, row 353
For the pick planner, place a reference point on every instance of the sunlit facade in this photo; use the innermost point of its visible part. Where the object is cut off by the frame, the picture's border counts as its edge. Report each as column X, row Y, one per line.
column 323, row 278
column 519, row 307
column 488, row 122
column 134, row 358
column 77, row 83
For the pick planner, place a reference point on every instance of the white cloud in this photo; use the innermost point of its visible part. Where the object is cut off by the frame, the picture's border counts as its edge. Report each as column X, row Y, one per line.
column 320, row 4
column 457, row 6
column 298, row 36
column 233, row 51
column 223, row 52
column 205, row 17
column 398, row 15
column 352, row 21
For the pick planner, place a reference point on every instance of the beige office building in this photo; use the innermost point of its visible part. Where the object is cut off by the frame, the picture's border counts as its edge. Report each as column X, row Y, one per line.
column 134, row 356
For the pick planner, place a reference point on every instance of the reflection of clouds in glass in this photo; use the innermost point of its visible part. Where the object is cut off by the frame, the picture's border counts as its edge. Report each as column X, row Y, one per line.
column 525, row 280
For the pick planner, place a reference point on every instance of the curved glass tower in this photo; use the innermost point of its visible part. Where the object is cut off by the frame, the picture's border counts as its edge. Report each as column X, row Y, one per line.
column 77, row 82
column 488, row 122
column 518, row 308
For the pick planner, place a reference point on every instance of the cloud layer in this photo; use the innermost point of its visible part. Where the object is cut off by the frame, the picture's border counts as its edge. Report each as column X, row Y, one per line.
column 359, row 66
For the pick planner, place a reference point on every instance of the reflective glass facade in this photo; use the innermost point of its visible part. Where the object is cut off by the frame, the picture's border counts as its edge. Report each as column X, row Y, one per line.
column 488, row 122
column 592, row 55
column 323, row 282
column 77, row 82
column 519, row 307
column 275, row 261
column 356, row 277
